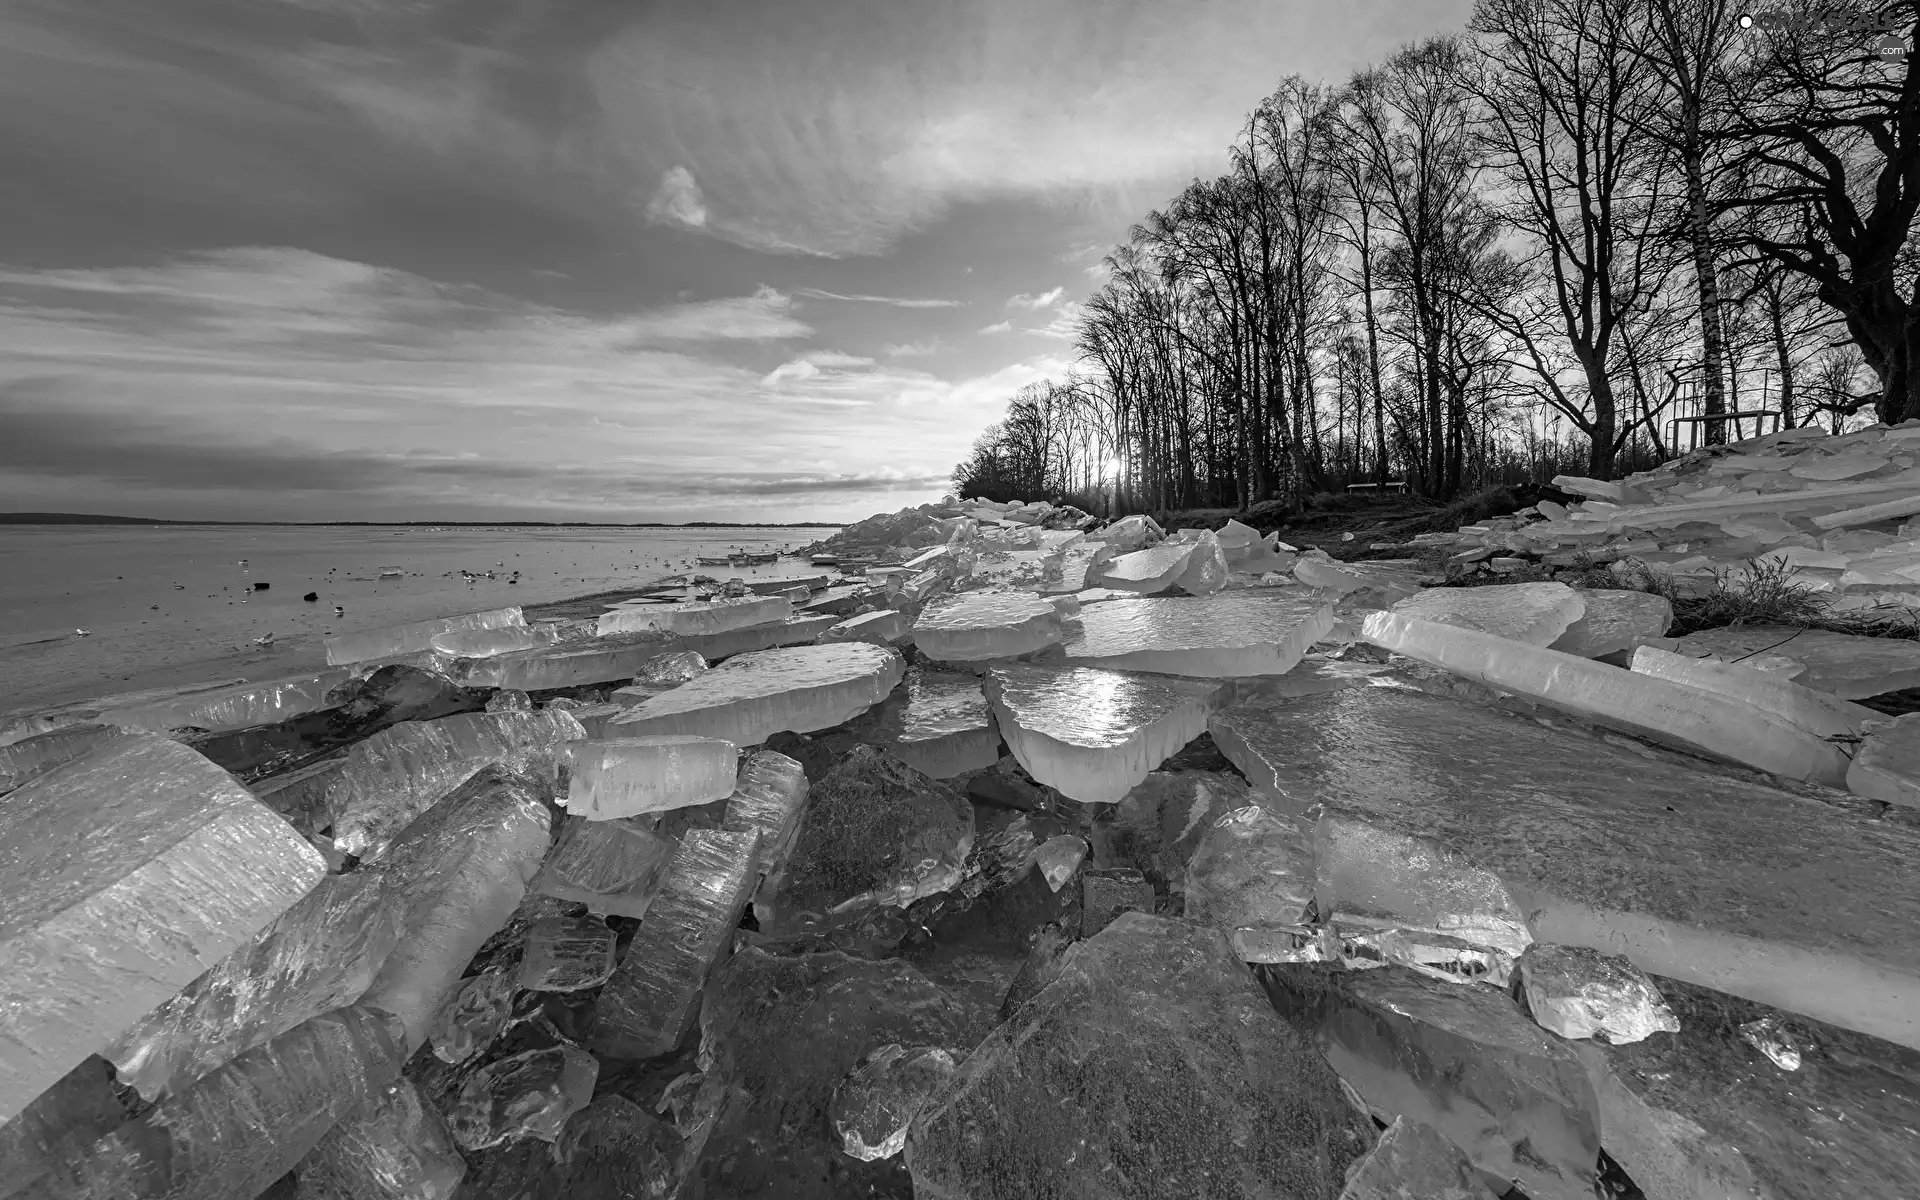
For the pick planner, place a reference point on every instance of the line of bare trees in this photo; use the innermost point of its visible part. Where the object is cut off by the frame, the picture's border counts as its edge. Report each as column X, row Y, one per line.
column 1498, row 255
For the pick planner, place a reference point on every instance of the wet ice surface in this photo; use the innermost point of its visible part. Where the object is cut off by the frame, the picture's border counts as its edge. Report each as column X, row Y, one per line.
column 978, row 625
column 1613, row 621
column 1849, row 666
column 1887, row 765
column 126, row 874
column 745, row 699
column 1822, row 714
column 883, row 628
column 1234, row 634
column 1147, row 571
column 937, row 722
column 414, row 638
column 1094, row 734
column 613, row 867
column 624, row 777
column 1536, row 614
column 1701, row 721
column 1438, row 813
column 569, row 664
column 1415, row 1161
column 1253, row 870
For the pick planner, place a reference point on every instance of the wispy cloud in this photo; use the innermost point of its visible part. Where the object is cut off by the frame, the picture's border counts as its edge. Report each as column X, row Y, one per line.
column 998, row 327
column 1035, row 301
column 910, row 349
column 1066, row 322
column 894, row 301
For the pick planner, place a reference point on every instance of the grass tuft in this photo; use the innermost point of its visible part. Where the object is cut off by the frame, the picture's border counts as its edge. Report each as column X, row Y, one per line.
column 1759, row 593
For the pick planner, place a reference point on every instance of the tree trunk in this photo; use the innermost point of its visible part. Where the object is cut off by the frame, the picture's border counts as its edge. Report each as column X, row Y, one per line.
column 1712, row 334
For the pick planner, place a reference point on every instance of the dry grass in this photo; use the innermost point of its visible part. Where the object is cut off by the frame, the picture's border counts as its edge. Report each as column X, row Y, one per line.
column 1759, row 593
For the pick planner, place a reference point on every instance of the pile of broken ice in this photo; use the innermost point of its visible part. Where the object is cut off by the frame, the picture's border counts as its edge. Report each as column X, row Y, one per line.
column 1021, row 857
column 1825, row 511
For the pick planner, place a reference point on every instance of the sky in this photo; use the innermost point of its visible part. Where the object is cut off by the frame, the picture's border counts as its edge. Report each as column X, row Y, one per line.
column 603, row 260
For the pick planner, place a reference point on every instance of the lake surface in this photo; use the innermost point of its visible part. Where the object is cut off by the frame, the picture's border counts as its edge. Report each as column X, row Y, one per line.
column 117, row 582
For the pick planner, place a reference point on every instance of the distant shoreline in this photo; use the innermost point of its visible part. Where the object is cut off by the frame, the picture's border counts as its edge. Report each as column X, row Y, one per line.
column 96, row 519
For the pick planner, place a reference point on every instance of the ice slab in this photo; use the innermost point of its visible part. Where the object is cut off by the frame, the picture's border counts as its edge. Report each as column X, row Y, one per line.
column 396, row 1148
column 235, row 707
column 1578, row 992
column 126, row 873
column 1615, row 620
column 768, row 798
column 243, row 1126
column 1414, row 1161
column 1078, row 565
column 794, row 631
column 570, row 664
column 396, row 774
column 613, row 867
column 1535, row 614
column 1154, row 1011
column 745, row 699
column 530, row 1094
column 1157, row 827
column 1328, row 575
column 1462, row 1059
column 473, row 1018
column 68, row 1117
column 1868, row 514
column 1206, row 569
column 1229, row 635
column 980, row 625
column 1310, row 676
column 1467, row 820
column 937, row 722
column 624, row 777
column 25, row 723
column 317, row 956
column 654, row 995
column 1130, row 533
column 698, row 616
column 1887, row 765
column 1700, row 1113
column 1822, row 714
column 566, row 954
column 486, row 643
column 1252, row 874
column 1095, row 734
column 883, row 628
column 36, row 755
column 1147, row 571
column 873, row 1105
column 414, row 638
column 1674, row 713
column 300, row 795
column 464, row 865
column 875, row 834
column 1849, row 666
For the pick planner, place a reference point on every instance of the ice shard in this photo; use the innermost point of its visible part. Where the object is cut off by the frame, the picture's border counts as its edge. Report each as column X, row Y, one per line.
column 1688, row 717
column 126, row 873
column 530, row 1094
column 768, row 798
column 1095, row 734
column 1464, row 1060
column 465, row 864
column 883, row 628
column 794, row 631
column 979, row 625
column 486, row 643
column 234, row 707
column 1152, row 1011
column 1534, row 614
column 1700, row 1114
column 1578, row 992
column 698, row 616
column 21, row 724
column 473, row 1018
column 396, row 1148
column 1131, row 533
column 396, row 774
column 36, row 755
column 510, row 700
column 746, row 699
column 1252, row 875
column 873, row 1105
column 1079, row 565
column 240, row 1128
column 1848, row 665
column 1059, row 857
column 319, row 955
column 301, row 795
column 1822, row 714
column 1887, row 765
column 654, row 995
column 1157, row 827
column 412, row 639
column 598, row 660
column 875, row 834
column 566, row 954
column 1229, row 635
column 615, row 868
column 71, row 1115
column 938, row 722
column 1328, row 575
column 1413, row 1161
column 1470, row 821
column 1615, row 621
column 1145, row 572
column 624, row 777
